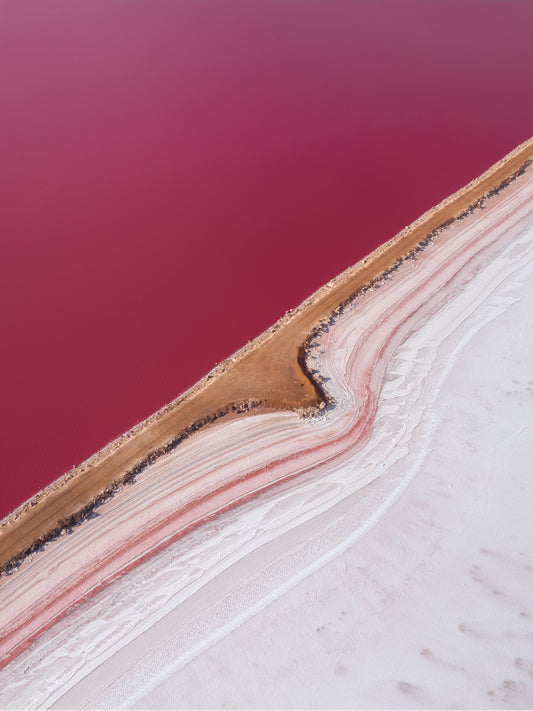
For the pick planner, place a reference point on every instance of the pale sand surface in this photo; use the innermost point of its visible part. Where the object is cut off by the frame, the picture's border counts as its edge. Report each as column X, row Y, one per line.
column 398, row 577
column 432, row 606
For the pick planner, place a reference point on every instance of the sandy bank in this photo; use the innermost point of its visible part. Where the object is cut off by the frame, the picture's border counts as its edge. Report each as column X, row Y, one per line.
column 266, row 375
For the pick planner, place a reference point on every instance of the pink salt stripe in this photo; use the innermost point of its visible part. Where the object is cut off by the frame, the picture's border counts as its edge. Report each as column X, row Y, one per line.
column 365, row 369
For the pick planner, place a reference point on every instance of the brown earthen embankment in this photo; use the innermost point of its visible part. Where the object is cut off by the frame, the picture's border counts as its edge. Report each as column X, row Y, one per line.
column 266, row 374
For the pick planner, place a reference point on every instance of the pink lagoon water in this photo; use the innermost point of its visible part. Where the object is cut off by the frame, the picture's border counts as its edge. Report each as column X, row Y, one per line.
column 176, row 175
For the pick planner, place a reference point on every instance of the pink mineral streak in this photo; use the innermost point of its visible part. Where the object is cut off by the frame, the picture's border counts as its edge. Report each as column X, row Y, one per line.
column 225, row 533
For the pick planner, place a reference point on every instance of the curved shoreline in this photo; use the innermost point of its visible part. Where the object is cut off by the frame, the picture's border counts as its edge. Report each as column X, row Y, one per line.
column 238, row 460
column 268, row 374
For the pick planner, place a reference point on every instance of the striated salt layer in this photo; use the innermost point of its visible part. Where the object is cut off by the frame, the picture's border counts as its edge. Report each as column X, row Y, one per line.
column 376, row 554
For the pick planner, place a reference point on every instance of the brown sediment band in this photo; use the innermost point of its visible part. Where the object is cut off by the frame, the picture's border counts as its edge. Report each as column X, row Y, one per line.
column 269, row 373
